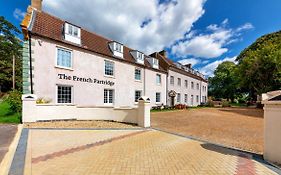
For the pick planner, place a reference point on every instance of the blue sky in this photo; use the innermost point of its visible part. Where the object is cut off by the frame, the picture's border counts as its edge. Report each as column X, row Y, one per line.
column 202, row 32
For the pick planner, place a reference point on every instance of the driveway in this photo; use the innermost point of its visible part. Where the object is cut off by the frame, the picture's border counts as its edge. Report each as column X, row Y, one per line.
column 129, row 151
column 7, row 133
column 235, row 127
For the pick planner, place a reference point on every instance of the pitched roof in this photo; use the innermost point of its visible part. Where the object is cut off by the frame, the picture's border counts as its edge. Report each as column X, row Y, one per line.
column 51, row 27
column 169, row 64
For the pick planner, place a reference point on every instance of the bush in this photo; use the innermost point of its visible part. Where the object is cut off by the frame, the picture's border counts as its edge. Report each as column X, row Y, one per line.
column 210, row 103
column 14, row 100
column 42, row 100
column 180, row 106
column 225, row 104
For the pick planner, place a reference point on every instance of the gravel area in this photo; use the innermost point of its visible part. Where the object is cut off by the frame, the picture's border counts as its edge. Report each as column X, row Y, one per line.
column 235, row 127
column 79, row 124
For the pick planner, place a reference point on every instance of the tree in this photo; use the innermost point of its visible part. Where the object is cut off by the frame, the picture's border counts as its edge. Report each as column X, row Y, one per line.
column 9, row 45
column 259, row 65
column 224, row 83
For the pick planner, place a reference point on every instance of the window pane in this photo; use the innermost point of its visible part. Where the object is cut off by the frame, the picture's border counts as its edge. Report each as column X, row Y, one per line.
column 63, row 58
column 158, row 79
column 109, row 68
column 158, row 97
column 178, row 97
column 137, row 95
column 172, row 80
column 64, row 94
column 108, row 96
column 137, row 74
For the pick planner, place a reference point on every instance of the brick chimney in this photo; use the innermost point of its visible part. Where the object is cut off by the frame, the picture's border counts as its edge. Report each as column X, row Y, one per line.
column 163, row 53
column 37, row 4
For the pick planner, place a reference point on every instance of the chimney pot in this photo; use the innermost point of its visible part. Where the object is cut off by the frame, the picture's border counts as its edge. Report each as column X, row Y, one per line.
column 37, row 4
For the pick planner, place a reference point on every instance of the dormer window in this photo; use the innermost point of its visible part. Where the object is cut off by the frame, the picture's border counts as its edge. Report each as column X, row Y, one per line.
column 138, row 56
column 155, row 63
column 117, row 49
column 72, row 33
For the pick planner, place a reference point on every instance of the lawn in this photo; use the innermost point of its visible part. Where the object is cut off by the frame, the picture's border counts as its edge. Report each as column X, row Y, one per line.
column 6, row 116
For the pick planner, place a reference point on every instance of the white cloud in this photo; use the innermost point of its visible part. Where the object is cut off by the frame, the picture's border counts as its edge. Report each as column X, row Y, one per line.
column 18, row 14
column 191, row 61
column 209, row 68
column 211, row 44
column 145, row 25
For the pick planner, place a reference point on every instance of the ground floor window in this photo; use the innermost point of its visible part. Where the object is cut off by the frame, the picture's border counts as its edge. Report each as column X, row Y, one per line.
column 178, row 97
column 158, row 97
column 185, row 98
column 108, row 96
column 64, row 94
column 191, row 99
column 197, row 98
column 137, row 95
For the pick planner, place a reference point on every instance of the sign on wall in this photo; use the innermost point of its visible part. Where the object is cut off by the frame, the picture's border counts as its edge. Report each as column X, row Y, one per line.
column 83, row 79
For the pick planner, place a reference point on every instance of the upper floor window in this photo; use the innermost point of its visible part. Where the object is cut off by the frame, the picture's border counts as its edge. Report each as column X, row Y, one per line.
column 72, row 33
column 158, row 79
column 155, row 63
column 192, row 85
column 140, row 57
column 108, row 68
column 117, row 49
column 64, row 58
column 197, row 86
column 137, row 74
column 172, row 80
column 185, row 83
column 179, row 82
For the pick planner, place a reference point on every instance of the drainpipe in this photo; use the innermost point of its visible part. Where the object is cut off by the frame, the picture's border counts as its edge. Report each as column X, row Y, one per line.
column 200, row 92
column 30, row 64
column 144, row 81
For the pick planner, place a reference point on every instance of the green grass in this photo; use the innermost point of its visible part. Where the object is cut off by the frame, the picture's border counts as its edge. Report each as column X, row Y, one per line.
column 6, row 116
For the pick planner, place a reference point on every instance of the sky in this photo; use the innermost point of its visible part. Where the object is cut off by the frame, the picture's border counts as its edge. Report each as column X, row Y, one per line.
column 201, row 32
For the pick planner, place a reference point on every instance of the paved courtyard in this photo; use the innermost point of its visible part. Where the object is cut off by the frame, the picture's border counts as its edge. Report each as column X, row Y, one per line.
column 128, row 151
column 234, row 127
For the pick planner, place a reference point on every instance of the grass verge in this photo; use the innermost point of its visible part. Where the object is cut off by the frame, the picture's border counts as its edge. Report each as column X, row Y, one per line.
column 6, row 116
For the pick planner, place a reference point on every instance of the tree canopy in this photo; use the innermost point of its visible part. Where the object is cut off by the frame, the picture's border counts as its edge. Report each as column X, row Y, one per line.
column 258, row 70
column 259, row 65
column 9, row 45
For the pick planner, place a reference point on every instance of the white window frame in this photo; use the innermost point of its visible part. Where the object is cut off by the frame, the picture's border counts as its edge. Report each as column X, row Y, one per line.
column 178, row 98
column 159, row 97
column 118, row 47
column 185, row 98
column 136, row 100
column 57, row 88
column 186, row 83
column 138, row 69
column 179, row 81
column 172, row 80
column 160, row 81
column 71, row 59
column 155, row 63
column 113, row 97
column 113, row 70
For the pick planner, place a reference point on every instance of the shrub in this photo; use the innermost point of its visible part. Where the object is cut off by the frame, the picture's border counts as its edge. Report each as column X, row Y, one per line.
column 42, row 100
column 180, row 106
column 14, row 100
column 210, row 103
column 225, row 104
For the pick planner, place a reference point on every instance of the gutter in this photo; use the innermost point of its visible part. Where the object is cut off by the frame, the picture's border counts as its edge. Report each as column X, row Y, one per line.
column 30, row 63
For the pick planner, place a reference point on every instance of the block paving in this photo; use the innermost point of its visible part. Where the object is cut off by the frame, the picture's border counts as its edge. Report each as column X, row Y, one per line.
column 87, row 152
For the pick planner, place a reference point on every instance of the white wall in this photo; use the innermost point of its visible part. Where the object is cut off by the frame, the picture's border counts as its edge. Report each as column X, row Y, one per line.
column 89, row 65
column 186, row 90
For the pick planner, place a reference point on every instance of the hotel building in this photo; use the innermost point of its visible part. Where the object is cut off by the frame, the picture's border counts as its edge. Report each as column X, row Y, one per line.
column 69, row 65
